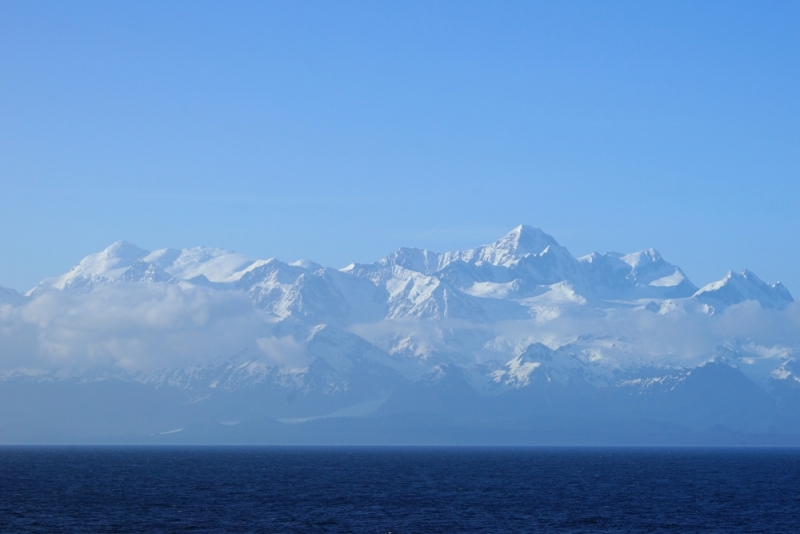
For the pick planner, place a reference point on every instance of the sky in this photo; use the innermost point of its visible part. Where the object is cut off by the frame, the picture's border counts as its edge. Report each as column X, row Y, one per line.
column 340, row 131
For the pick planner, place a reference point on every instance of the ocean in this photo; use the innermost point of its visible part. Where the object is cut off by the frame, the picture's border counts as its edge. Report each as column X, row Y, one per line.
column 398, row 490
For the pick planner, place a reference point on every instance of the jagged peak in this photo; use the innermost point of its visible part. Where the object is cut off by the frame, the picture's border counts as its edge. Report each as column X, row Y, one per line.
column 750, row 275
column 743, row 277
column 522, row 241
column 525, row 239
column 744, row 285
column 634, row 259
column 416, row 259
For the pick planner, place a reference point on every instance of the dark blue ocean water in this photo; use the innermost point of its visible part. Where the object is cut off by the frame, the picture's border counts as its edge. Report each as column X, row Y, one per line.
column 398, row 490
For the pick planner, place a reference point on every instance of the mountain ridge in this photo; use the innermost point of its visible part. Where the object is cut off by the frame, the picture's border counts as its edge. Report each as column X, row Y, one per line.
column 525, row 255
column 507, row 331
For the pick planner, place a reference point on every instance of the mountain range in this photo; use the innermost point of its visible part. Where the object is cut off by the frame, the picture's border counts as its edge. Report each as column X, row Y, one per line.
column 513, row 342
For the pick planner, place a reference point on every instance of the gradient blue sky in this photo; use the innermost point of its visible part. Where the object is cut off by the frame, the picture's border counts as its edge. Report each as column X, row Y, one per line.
column 340, row 131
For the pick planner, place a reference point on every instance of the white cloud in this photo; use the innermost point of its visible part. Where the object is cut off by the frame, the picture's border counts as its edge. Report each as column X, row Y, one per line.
column 134, row 327
column 144, row 327
column 621, row 337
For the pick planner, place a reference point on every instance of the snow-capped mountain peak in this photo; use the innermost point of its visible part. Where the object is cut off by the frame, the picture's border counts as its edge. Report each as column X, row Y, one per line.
column 521, row 241
column 108, row 264
column 111, row 262
column 734, row 288
column 122, row 251
column 521, row 274
column 643, row 257
column 643, row 274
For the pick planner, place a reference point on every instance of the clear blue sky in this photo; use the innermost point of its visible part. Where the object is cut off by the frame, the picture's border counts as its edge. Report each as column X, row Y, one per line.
column 340, row 131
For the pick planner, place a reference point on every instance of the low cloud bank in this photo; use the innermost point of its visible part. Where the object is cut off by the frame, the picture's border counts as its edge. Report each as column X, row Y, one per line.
column 620, row 338
column 141, row 327
column 130, row 327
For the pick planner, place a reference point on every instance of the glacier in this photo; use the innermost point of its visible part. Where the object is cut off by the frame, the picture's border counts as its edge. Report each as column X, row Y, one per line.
column 512, row 342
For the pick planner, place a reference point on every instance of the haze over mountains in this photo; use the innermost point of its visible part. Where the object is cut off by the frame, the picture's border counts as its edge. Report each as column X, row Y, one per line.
column 516, row 341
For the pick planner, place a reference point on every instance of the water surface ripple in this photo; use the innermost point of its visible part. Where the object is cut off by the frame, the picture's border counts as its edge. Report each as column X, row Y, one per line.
column 399, row 490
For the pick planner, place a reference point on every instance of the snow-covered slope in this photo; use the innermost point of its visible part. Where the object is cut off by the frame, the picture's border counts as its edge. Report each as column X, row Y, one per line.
column 740, row 287
column 106, row 266
column 128, row 263
column 643, row 274
column 524, row 274
column 214, row 264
